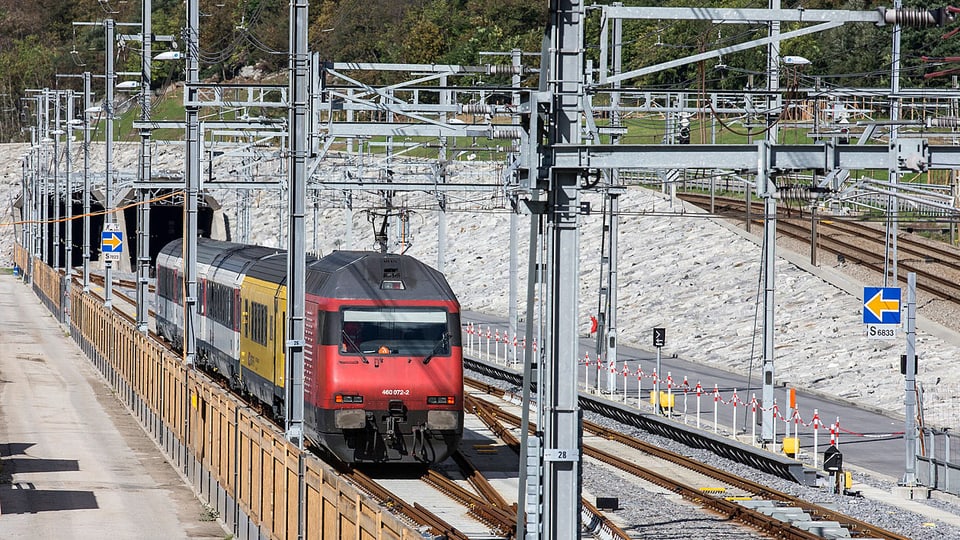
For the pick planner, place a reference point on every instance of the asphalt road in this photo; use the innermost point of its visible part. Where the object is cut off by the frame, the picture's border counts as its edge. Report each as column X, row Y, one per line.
column 73, row 462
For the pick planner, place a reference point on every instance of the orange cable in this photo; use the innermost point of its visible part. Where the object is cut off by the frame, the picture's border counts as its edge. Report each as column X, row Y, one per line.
column 92, row 214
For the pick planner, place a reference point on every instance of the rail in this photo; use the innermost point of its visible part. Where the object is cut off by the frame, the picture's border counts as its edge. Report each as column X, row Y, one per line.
column 759, row 459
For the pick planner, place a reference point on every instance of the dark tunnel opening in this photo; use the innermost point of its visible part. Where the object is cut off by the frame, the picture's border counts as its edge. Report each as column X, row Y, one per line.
column 166, row 224
column 76, row 228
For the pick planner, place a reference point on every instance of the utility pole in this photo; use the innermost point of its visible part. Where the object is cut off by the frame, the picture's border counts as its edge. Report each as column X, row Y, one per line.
column 299, row 122
column 143, row 195
column 516, row 59
column 442, row 158
column 910, row 385
column 26, row 212
column 109, row 217
column 890, row 277
column 299, row 129
column 44, row 171
column 68, row 201
column 192, row 187
column 57, row 130
column 86, row 181
column 612, row 198
column 767, row 189
column 562, row 423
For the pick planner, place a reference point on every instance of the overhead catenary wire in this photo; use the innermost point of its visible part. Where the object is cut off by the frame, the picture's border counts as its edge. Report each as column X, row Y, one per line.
column 92, row 214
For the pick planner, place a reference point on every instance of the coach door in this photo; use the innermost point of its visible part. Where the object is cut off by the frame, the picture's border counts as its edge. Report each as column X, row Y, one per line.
column 278, row 328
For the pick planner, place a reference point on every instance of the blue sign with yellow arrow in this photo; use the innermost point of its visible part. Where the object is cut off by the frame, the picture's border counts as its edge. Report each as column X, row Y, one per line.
column 111, row 242
column 881, row 305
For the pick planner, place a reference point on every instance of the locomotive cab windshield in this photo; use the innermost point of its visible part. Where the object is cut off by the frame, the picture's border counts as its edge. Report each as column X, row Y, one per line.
column 393, row 331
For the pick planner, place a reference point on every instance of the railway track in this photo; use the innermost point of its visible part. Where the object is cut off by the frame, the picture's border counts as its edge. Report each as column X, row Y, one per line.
column 937, row 268
column 488, row 508
column 484, row 504
column 728, row 494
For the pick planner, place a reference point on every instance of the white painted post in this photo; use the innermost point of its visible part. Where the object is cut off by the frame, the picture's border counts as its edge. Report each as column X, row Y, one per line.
column 734, row 413
column 639, row 385
column 816, row 431
column 753, row 431
column 686, row 391
column 796, row 430
column 776, row 412
column 786, row 422
column 670, row 392
column 599, row 368
column 488, row 344
column 586, row 371
column 716, row 406
column 655, row 392
column 626, row 372
column 699, row 393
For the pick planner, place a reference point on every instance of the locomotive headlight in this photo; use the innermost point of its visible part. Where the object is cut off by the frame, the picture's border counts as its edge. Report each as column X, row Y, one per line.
column 341, row 398
column 441, row 400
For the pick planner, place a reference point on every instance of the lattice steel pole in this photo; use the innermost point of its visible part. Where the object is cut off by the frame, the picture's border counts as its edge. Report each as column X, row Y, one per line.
column 192, row 187
column 299, row 123
column 143, row 194
column 561, row 444
column 109, row 217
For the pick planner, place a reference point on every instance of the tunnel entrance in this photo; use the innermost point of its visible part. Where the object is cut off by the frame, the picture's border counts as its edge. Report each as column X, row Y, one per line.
column 75, row 250
column 166, row 224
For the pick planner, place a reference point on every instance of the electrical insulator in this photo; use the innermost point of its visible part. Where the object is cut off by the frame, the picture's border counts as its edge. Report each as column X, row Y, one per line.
column 504, row 69
column 945, row 122
column 918, row 18
column 506, row 133
column 476, row 108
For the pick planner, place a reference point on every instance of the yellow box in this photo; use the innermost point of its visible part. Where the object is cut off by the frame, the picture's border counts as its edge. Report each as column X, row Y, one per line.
column 791, row 445
column 667, row 401
column 847, row 480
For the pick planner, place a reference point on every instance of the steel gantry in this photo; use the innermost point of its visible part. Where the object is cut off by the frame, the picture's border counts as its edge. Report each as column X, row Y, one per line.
column 556, row 175
column 555, row 152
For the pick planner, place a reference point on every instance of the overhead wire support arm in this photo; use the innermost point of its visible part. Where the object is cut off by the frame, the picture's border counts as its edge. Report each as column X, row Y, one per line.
column 825, row 19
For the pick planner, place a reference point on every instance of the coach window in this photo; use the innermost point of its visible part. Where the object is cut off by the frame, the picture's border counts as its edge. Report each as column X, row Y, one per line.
column 259, row 324
column 212, row 301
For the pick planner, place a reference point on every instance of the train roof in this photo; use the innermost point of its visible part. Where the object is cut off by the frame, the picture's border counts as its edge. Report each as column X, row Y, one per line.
column 341, row 274
column 382, row 276
column 229, row 256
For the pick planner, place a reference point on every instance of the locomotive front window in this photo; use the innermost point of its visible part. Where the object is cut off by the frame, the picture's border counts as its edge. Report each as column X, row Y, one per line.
column 407, row 332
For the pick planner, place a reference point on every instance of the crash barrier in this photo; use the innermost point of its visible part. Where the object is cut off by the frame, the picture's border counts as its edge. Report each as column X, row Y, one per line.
column 238, row 463
column 939, row 468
